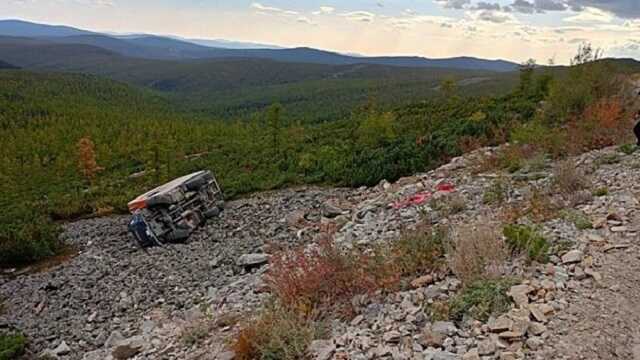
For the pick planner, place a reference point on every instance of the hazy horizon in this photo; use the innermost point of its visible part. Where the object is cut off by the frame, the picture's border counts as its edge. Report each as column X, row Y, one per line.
column 514, row 30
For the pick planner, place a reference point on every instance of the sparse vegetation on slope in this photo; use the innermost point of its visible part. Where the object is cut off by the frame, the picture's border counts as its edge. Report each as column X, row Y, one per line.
column 11, row 345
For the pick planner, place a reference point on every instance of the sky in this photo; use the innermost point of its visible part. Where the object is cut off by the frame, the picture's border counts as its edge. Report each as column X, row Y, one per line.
column 517, row 30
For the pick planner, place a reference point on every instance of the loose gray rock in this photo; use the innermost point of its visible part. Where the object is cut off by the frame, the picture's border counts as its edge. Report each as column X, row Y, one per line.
column 62, row 349
column 322, row 349
column 444, row 327
column 252, row 260
column 573, row 256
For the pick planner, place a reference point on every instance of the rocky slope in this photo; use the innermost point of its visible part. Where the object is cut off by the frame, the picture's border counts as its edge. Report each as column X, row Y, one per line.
column 115, row 301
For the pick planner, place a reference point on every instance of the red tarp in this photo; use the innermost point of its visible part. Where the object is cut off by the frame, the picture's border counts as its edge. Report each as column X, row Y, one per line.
column 422, row 197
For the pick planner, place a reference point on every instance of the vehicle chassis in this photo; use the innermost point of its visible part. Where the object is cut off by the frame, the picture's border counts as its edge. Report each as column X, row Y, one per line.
column 171, row 212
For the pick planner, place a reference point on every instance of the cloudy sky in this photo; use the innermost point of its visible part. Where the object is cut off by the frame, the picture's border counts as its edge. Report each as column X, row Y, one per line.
column 509, row 29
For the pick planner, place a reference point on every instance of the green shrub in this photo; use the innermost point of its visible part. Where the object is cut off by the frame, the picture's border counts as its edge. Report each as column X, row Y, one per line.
column 608, row 159
column 525, row 239
column 628, row 149
column 195, row 333
column 26, row 235
column 11, row 345
column 578, row 218
column 416, row 252
column 602, row 191
column 496, row 193
column 481, row 299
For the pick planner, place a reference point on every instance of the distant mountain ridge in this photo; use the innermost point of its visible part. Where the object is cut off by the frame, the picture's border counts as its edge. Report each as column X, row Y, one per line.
column 173, row 48
column 29, row 29
column 5, row 65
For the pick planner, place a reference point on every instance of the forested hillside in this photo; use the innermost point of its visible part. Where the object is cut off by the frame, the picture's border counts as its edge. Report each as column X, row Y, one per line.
column 44, row 117
column 81, row 145
column 242, row 88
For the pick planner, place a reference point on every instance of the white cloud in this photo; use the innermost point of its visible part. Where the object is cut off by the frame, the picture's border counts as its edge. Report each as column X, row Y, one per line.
column 363, row 16
column 325, row 10
column 590, row 15
column 305, row 20
column 99, row 3
column 409, row 22
column 492, row 16
column 454, row 4
column 272, row 10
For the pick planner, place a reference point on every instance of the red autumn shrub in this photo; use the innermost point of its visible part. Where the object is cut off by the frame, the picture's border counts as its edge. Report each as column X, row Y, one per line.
column 603, row 123
column 321, row 277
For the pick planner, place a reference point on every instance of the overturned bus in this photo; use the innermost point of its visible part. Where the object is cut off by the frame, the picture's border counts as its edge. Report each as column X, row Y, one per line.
column 171, row 212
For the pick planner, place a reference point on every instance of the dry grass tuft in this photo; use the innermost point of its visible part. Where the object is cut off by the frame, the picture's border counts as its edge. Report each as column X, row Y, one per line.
column 277, row 333
column 569, row 179
column 477, row 251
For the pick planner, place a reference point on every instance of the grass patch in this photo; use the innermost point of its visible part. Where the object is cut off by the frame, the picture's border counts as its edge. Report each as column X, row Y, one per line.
column 578, row 218
column 496, row 193
column 481, row 299
column 449, row 204
column 525, row 239
column 609, row 159
column 12, row 345
column 628, row 149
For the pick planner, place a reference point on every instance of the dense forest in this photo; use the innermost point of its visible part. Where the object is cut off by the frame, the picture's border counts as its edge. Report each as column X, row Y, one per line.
column 243, row 88
column 81, row 145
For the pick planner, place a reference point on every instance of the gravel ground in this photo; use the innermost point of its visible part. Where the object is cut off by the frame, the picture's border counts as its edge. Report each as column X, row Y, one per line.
column 111, row 285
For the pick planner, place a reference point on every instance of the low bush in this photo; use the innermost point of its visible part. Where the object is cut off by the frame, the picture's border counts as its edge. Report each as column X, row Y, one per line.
column 540, row 205
column 26, row 236
column 416, row 252
column 525, row 239
column 322, row 277
column 438, row 310
column 628, row 149
column 541, row 137
column 325, row 277
column 476, row 251
column 276, row 334
column 481, row 299
column 195, row 333
column 12, row 345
